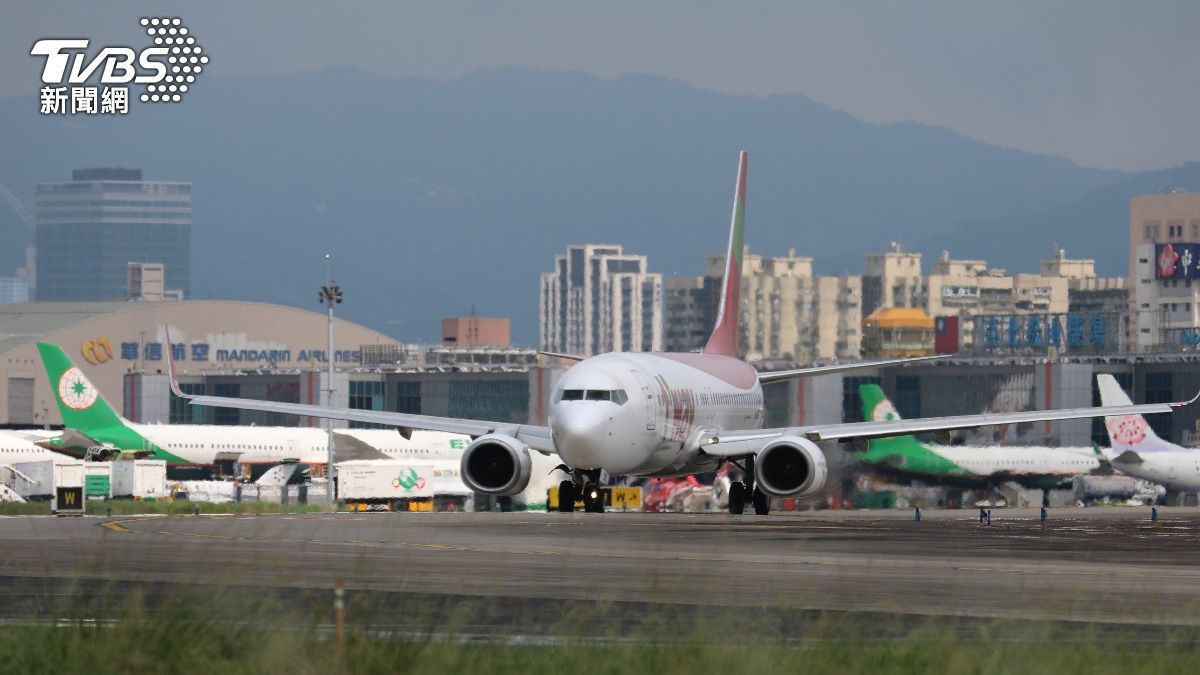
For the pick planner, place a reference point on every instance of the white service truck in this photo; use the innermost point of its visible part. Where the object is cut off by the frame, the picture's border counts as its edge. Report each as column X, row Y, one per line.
column 401, row 485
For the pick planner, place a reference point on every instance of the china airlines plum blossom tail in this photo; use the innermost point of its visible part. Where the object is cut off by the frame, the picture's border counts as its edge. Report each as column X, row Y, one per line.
column 724, row 338
column 1127, row 432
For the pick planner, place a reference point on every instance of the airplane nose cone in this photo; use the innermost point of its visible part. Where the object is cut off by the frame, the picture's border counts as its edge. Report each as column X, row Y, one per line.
column 580, row 433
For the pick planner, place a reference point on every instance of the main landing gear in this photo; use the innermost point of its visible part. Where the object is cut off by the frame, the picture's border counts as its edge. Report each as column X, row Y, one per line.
column 585, row 486
column 740, row 493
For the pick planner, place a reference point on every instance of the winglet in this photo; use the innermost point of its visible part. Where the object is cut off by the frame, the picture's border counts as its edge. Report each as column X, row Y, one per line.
column 724, row 338
column 171, row 367
column 1184, row 404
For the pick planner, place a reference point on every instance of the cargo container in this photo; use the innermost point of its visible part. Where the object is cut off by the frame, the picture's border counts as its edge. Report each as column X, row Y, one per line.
column 97, row 480
column 58, row 480
column 139, row 479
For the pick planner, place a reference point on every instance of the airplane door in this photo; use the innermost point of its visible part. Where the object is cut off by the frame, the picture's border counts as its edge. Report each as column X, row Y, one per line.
column 648, row 395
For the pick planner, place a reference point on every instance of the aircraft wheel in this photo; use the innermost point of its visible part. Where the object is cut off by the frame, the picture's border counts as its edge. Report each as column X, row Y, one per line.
column 566, row 497
column 737, row 498
column 762, row 502
column 593, row 501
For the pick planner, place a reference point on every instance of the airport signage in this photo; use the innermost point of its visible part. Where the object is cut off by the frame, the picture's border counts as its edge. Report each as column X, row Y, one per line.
column 77, row 83
column 98, row 351
column 1177, row 261
column 960, row 292
column 1071, row 332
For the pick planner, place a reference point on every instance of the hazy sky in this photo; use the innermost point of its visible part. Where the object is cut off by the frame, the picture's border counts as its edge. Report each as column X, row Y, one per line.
column 1109, row 84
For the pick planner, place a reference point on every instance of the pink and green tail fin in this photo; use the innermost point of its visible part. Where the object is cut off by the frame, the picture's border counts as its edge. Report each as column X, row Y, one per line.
column 724, row 338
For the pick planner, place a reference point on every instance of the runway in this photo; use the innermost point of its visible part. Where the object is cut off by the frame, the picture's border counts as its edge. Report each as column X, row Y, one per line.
column 532, row 573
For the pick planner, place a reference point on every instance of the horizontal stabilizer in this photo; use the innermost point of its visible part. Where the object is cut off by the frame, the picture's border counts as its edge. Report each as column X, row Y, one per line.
column 349, row 448
column 1128, row 457
column 70, row 438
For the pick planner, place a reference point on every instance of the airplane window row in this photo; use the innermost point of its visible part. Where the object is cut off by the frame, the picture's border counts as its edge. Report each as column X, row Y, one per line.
column 225, row 446
column 617, row 396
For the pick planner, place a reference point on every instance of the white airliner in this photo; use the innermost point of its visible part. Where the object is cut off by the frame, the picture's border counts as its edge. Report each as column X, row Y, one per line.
column 93, row 423
column 1139, row 452
column 666, row 414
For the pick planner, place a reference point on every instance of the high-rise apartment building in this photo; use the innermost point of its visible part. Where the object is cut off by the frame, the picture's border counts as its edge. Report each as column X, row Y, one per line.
column 1164, row 271
column 785, row 312
column 599, row 299
column 979, row 295
column 892, row 279
column 91, row 228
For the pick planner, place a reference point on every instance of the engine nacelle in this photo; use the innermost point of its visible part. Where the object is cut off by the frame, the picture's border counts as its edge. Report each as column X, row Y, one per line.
column 790, row 467
column 496, row 464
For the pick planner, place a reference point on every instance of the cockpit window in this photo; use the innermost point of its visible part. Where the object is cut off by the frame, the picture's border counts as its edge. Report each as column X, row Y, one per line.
column 617, row 396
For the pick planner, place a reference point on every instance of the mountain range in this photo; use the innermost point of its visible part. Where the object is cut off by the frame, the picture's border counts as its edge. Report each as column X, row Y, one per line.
column 434, row 196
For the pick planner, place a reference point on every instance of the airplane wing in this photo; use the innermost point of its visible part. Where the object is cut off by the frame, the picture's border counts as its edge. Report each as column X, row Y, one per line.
column 769, row 376
column 738, row 443
column 537, row 438
column 560, row 355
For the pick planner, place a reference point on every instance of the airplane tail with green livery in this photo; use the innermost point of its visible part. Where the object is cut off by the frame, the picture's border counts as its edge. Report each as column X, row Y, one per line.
column 901, row 455
column 877, row 408
column 82, row 406
column 89, row 419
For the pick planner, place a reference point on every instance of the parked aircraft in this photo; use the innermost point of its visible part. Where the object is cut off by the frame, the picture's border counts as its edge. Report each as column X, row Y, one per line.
column 665, row 414
column 905, row 457
column 93, row 424
column 1139, row 452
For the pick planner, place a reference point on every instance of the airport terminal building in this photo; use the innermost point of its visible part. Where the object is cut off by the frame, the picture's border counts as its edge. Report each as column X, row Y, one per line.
column 121, row 345
column 272, row 352
column 252, row 350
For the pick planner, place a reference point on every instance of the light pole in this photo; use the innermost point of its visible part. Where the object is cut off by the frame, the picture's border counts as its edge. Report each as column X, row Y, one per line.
column 330, row 295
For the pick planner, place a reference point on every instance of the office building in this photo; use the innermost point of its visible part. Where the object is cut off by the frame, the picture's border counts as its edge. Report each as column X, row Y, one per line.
column 90, row 228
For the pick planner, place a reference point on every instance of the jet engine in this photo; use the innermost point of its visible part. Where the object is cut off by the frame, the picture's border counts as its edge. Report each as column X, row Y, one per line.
column 790, row 467
column 496, row 464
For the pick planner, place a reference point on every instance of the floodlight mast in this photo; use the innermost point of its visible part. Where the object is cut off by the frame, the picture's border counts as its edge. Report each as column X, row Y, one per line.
column 330, row 295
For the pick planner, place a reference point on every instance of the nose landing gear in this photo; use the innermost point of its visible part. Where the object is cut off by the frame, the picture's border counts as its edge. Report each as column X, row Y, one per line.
column 583, row 485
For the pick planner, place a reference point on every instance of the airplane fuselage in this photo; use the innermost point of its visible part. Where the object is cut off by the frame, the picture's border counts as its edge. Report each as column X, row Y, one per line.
column 203, row 445
column 1032, row 467
column 644, row 414
column 1176, row 470
column 16, row 448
